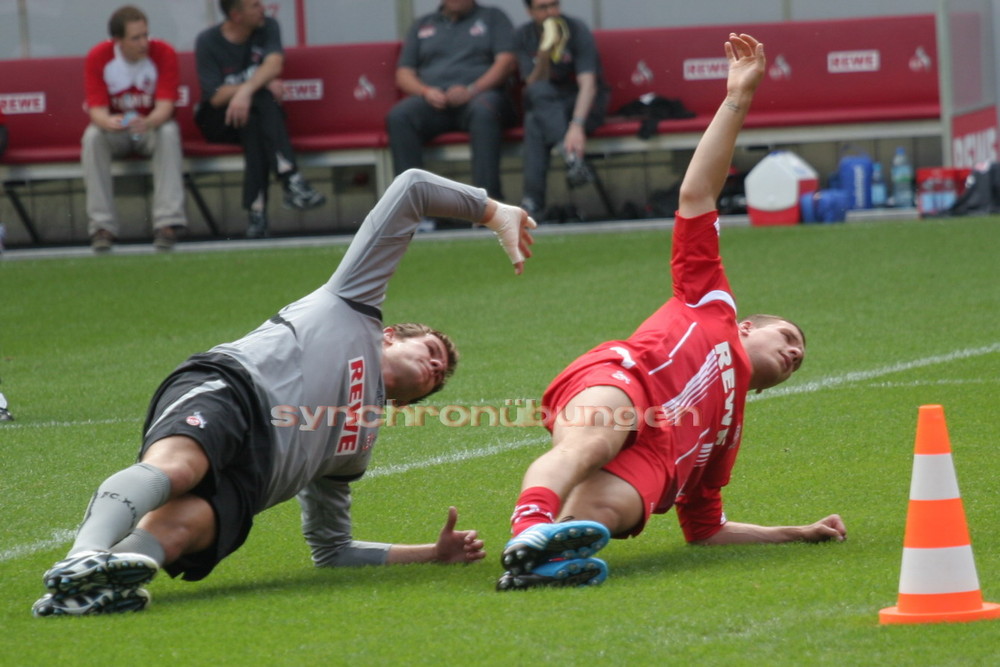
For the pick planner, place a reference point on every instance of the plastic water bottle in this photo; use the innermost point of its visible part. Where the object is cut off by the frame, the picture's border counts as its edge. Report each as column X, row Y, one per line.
column 127, row 118
column 949, row 194
column 878, row 186
column 902, row 179
column 928, row 195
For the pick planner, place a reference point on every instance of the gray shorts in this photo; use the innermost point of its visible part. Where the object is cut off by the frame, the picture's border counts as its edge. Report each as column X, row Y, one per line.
column 210, row 399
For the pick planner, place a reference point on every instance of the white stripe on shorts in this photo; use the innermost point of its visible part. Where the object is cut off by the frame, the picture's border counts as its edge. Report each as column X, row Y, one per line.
column 213, row 385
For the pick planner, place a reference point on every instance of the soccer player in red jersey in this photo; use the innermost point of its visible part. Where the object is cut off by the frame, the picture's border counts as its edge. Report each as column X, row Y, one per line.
column 655, row 421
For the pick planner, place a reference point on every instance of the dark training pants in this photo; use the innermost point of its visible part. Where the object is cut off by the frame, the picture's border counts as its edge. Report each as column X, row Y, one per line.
column 413, row 122
column 547, row 112
column 264, row 139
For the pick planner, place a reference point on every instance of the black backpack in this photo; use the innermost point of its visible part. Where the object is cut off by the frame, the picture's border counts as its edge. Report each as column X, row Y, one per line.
column 651, row 109
column 982, row 192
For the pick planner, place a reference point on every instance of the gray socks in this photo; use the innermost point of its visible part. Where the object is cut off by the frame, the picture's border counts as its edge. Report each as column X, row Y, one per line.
column 141, row 542
column 118, row 504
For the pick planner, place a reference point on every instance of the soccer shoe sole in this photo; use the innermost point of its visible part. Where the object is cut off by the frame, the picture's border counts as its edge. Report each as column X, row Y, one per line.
column 544, row 542
column 95, row 601
column 95, row 569
column 557, row 574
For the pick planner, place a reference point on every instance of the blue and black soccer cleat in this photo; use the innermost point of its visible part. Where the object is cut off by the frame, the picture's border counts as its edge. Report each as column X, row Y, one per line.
column 546, row 541
column 557, row 573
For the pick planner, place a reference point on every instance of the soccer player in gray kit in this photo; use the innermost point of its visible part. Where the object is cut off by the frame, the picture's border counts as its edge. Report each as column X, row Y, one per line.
column 220, row 446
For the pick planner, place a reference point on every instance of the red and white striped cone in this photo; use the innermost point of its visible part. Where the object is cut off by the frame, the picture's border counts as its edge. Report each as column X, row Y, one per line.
column 938, row 581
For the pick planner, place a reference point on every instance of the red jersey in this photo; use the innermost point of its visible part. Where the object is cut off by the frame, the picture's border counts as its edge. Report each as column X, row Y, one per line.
column 687, row 374
column 113, row 82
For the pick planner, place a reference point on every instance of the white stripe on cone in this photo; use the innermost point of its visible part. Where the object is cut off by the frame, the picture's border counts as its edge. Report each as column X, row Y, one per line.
column 941, row 570
column 933, row 477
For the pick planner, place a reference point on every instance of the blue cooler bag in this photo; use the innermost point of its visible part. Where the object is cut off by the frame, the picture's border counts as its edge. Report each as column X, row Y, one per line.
column 825, row 206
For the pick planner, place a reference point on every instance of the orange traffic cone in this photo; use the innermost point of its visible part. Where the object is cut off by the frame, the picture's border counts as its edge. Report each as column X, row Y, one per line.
column 938, row 581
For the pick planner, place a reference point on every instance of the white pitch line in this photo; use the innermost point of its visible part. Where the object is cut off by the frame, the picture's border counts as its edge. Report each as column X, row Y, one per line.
column 62, row 535
column 860, row 376
column 85, row 422
column 932, row 383
column 805, row 388
column 58, row 537
column 455, row 457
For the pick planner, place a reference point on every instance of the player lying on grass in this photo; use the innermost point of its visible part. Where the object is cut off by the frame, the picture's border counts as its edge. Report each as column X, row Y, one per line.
column 655, row 421
column 213, row 455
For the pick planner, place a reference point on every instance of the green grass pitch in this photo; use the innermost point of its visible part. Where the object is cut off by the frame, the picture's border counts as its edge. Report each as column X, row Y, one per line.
column 897, row 314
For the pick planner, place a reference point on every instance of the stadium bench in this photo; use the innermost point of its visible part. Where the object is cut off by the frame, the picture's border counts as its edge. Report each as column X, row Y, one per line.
column 836, row 80
column 827, row 81
column 337, row 99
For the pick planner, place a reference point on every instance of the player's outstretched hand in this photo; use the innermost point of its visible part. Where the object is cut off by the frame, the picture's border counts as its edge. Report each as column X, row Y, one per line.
column 827, row 528
column 458, row 546
column 512, row 226
column 746, row 63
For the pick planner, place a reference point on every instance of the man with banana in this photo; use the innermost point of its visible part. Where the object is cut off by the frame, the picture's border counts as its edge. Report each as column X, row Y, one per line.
column 565, row 96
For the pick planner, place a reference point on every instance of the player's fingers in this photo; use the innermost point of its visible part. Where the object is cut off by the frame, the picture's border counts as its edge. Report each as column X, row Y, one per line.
column 449, row 525
column 527, row 240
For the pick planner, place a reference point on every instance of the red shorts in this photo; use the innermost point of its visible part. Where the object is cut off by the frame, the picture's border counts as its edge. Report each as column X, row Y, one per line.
column 643, row 462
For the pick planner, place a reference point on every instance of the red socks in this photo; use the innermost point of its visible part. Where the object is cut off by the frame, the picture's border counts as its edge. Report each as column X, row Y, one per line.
column 537, row 504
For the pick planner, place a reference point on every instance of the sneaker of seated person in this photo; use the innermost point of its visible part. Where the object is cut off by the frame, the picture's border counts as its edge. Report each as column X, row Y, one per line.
column 101, row 241
column 257, row 226
column 533, row 209
column 164, row 238
column 299, row 194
